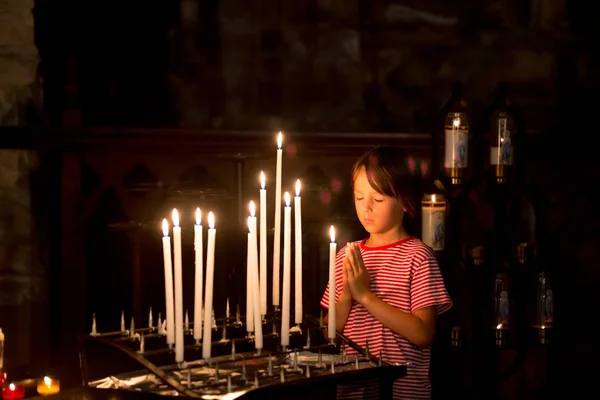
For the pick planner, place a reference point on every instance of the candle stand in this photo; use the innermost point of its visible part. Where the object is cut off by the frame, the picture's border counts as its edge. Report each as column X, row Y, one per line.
column 310, row 364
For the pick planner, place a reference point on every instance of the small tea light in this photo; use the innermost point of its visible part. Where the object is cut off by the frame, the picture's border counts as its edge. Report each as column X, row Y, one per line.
column 12, row 392
column 48, row 386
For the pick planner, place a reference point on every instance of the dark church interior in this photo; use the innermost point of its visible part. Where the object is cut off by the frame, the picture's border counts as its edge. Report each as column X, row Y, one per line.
column 113, row 113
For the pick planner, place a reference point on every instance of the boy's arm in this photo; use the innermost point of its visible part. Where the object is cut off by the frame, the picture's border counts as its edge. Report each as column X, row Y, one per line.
column 418, row 327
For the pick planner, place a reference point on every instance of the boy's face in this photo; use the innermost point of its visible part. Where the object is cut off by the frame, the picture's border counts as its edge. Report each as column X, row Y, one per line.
column 378, row 213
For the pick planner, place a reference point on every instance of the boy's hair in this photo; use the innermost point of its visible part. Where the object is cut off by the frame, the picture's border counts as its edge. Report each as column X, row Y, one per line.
column 388, row 173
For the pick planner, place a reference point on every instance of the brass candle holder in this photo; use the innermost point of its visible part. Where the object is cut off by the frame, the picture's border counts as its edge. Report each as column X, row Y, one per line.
column 457, row 334
column 476, row 254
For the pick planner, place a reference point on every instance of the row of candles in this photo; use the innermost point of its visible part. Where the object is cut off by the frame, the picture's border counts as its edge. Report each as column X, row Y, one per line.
column 256, row 278
column 16, row 390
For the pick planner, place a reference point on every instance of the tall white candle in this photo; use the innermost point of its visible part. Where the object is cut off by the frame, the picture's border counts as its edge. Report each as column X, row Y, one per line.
column 170, row 311
column 258, row 337
column 263, row 245
column 199, row 255
column 249, row 298
column 287, row 250
column 208, row 295
column 277, row 233
column 332, row 253
column 177, row 263
column 298, row 255
column 433, row 221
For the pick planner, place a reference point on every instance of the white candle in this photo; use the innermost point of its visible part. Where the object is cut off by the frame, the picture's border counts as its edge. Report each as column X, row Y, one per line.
column 332, row 253
column 287, row 237
column 433, row 221
column 249, row 298
column 258, row 337
column 198, row 252
column 298, row 255
column 170, row 311
column 208, row 295
column 263, row 245
column 177, row 263
column 277, row 233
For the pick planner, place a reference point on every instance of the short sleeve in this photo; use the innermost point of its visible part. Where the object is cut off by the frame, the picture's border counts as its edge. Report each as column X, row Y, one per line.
column 427, row 285
column 339, row 258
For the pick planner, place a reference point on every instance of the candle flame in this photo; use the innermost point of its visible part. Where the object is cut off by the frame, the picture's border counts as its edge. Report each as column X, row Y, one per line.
column 252, row 209
column 543, row 326
column 165, row 227
column 298, row 187
column 48, row 381
column 12, row 387
column 287, row 199
column 175, row 218
column 211, row 220
column 433, row 198
column 332, row 234
column 198, row 216
column 279, row 141
column 456, row 122
column 262, row 180
column 499, row 326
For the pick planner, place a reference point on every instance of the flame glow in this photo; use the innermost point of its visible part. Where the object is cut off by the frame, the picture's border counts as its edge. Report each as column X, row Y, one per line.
column 165, row 226
column 175, row 218
column 332, row 234
column 262, row 180
column 298, row 187
column 211, row 220
column 198, row 216
column 287, row 199
column 279, row 141
column 252, row 209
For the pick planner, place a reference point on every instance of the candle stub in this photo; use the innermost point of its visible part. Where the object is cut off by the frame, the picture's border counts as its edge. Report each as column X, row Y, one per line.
column 433, row 221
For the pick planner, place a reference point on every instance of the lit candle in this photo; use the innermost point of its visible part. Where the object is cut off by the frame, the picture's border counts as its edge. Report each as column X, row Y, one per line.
column 298, row 255
column 277, row 233
column 177, row 263
column 249, row 298
column 12, row 392
column 198, row 252
column 48, row 386
column 332, row 253
column 208, row 296
column 170, row 311
column 258, row 338
column 433, row 220
column 263, row 245
column 287, row 237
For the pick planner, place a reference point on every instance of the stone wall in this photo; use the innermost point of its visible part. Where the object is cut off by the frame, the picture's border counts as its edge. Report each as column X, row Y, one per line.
column 23, row 282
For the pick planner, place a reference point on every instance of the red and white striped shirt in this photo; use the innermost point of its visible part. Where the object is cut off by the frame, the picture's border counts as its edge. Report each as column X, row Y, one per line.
column 405, row 275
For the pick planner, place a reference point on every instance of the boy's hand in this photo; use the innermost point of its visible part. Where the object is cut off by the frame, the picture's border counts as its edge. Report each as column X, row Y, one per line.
column 346, row 294
column 357, row 275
